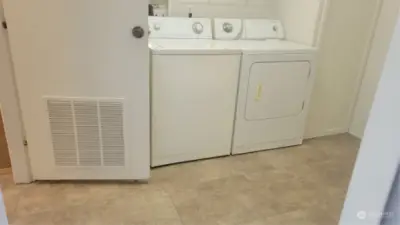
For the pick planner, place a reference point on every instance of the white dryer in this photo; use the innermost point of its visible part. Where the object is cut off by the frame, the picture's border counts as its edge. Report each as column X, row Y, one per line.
column 193, row 91
column 275, row 84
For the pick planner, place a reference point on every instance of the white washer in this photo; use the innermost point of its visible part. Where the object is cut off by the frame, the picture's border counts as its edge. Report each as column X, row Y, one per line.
column 194, row 86
column 275, row 84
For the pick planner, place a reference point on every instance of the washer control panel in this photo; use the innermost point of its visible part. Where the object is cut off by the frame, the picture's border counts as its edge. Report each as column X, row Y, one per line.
column 156, row 26
column 227, row 29
column 197, row 27
column 180, row 28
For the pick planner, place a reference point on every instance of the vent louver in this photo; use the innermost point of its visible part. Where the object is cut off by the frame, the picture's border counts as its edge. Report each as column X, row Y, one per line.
column 87, row 132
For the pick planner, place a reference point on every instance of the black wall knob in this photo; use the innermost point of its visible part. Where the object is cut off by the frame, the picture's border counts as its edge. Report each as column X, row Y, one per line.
column 138, row 32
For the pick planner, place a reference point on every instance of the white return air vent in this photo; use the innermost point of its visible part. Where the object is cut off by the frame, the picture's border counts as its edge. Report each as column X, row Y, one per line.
column 87, row 132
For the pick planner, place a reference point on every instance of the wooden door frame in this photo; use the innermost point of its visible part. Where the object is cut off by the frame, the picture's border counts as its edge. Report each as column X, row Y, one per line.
column 363, row 66
column 11, row 112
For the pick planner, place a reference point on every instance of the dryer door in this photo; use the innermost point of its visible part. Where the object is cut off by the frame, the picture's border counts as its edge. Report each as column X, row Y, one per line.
column 276, row 89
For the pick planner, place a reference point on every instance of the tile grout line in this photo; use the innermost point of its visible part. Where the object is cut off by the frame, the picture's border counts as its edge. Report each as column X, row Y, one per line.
column 173, row 203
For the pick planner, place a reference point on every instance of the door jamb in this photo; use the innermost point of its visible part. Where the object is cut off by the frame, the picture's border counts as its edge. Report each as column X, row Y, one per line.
column 11, row 112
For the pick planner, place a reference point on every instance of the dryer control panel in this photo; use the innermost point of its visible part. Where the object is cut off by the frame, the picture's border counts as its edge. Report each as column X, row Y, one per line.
column 247, row 29
column 262, row 29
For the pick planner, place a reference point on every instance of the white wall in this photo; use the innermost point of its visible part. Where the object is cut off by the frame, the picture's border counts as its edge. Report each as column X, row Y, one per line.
column 376, row 59
column 379, row 156
column 301, row 19
column 344, row 44
column 225, row 8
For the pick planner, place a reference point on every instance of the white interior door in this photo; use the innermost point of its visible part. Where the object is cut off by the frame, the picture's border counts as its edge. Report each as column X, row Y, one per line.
column 83, row 82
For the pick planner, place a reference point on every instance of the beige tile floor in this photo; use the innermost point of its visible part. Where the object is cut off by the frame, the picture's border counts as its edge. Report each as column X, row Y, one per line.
column 291, row 186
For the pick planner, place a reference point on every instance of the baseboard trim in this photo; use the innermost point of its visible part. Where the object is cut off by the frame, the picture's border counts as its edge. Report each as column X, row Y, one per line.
column 5, row 171
column 327, row 133
column 355, row 135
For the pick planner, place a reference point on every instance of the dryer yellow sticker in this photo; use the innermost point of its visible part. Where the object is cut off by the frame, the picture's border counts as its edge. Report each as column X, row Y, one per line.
column 259, row 92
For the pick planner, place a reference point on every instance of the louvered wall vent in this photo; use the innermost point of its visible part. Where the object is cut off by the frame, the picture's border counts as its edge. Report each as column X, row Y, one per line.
column 87, row 132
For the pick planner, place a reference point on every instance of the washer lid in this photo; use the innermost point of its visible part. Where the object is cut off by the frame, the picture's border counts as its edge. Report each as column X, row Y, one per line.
column 180, row 28
column 190, row 46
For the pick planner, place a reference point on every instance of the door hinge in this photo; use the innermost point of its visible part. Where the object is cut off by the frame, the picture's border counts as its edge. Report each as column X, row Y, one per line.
column 4, row 25
column 25, row 142
column 302, row 107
